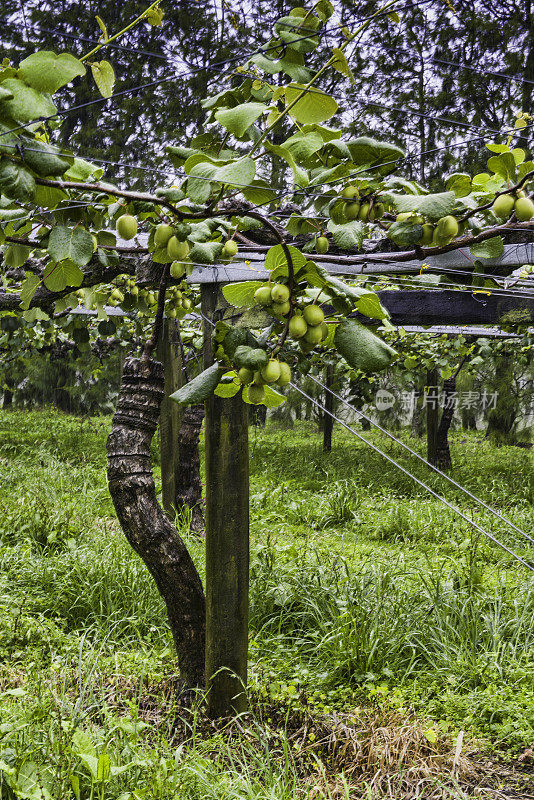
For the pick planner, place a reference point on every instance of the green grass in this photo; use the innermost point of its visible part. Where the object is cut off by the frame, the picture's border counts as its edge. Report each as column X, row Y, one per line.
column 366, row 592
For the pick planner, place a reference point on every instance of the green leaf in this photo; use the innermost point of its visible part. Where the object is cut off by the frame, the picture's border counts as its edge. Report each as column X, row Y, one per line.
column 44, row 159
column 361, row 348
column 405, row 233
column 16, row 181
column 314, row 105
column 104, row 76
column 47, row 71
column 503, row 165
column 253, row 358
column 205, row 252
column 491, row 248
column 342, row 65
column 273, row 398
column 81, row 170
column 28, row 288
column 237, row 120
column 276, row 257
column 16, row 255
column 300, row 176
column 259, row 192
column 317, row 276
column 241, row 294
column 236, row 173
column 58, row 276
column 348, row 236
column 75, row 244
column 366, row 151
column 200, row 388
column 371, row 306
column 227, row 389
column 303, row 145
column 103, row 767
column 433, row 206
column 459, row 183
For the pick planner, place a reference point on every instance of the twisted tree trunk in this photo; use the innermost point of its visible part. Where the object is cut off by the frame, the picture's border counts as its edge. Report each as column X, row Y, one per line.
column 443, row 448
column 145, row 525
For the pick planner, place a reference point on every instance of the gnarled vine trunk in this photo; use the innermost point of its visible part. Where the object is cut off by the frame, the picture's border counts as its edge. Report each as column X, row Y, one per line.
column 443, row 447
column 145, row 525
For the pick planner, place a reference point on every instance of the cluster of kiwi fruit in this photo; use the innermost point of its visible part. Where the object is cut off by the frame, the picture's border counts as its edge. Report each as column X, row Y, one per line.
column 274, row 373
column 307, row 325
column 177, row 304
column 365, row 208
column 507, row 204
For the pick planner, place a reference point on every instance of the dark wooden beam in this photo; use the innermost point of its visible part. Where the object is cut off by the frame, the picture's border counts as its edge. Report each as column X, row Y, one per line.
column 443, row 307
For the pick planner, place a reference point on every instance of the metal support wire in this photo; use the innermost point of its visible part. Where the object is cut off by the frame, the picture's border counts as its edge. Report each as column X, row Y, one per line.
column 423, row 460
column 413, row 477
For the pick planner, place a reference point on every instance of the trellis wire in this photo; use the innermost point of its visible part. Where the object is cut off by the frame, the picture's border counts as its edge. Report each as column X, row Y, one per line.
column 425, row 486
column 423, row 460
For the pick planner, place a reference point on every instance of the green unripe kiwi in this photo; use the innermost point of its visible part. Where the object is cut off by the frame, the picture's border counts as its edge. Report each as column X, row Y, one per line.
column 324, row 330
column 127, row 226
column 503, row 206
column 314, row 334
column 428, row 233
column 280, row 293
column 321, row 245
column 162, row 234
column 271, row 371
column 186, row 303
column 177, row 270
column 379, row 210
column 297, row 327
column 351, row 210
column 350, row 192
column 117, row 295
column 285, row 374
column 363, row 213
column 134, row 290
column 447, row 227
column 171, row 313
column 281, row 309
column 256, row 394
column 230, row 249
column 524, row 209
column 262, row 296
column 151, row 299
column 313, row 315
column 176, row 249
column 258, row 380
column 409, row 216
column 245, row 375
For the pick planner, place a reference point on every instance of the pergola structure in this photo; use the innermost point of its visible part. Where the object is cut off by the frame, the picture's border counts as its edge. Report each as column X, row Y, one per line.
column 226, row 434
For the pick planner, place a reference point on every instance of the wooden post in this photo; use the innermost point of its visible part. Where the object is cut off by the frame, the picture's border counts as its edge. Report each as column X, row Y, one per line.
column 227, row 540
column 432, row 416
column 328, row 423
column 170, row 414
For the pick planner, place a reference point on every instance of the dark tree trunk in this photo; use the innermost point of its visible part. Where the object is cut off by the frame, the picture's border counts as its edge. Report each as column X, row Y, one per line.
column 432, row 416
column 443, row 448
column 145, row 525
column 188, row 485
column 8, row 399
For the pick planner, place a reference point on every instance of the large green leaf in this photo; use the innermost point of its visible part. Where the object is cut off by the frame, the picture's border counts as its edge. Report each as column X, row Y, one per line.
column 16, row 181
column 45, row 159
column 236, row 173
column 205, row 252
column 405, row 233
column 238, row 119
column 28, row 288
column 303, row 145
column 47, row 71
column 348, row 236
column 200, row 388
column 361, row 348
column 432, row 206
column 366, row 151
column 27, row 103
column 253, row 358
column 16, row 255
column 459, row 183
column 276, row 257
column 503, row 165
column 75, row 244
column 300, row 176
column 314, row 105
column 241, row 294
column 491, row 248
column 57, row 276
column 342, row 65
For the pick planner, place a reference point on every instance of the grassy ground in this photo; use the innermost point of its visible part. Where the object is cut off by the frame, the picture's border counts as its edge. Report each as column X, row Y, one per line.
column 382, row 628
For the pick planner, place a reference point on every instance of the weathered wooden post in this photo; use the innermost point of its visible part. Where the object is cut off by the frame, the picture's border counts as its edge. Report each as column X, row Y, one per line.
column 432, row 415
column 227, row 540
column 170, row 414
column 328, row 423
